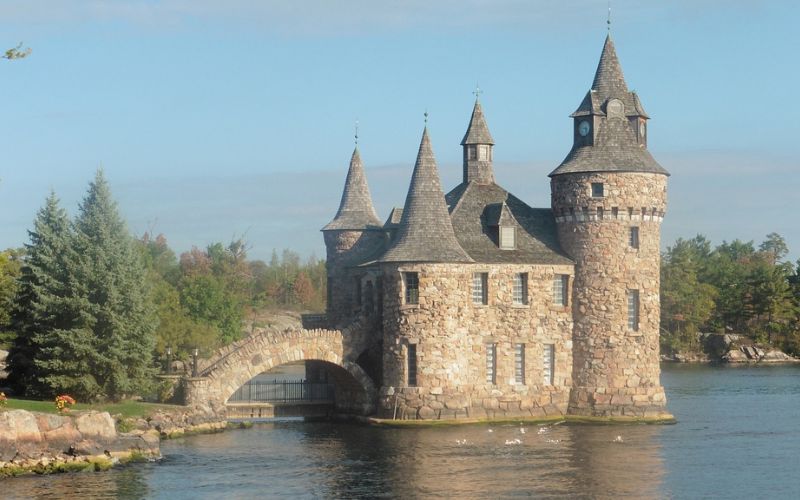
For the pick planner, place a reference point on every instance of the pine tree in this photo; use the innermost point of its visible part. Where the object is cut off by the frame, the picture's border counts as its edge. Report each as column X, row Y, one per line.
column 41, row 302
column 120, row 314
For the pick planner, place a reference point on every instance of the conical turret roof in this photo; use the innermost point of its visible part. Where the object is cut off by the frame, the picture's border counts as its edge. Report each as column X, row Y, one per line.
column 608, row 79
column 426, row 231
column 615, row 147
column 477, row 131
column 355, row 210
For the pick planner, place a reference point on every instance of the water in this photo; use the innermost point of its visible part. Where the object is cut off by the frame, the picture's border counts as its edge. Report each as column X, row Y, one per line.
column 738, row 437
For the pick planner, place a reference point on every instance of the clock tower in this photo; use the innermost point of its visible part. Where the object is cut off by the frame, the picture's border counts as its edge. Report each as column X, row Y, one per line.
column 609, row 198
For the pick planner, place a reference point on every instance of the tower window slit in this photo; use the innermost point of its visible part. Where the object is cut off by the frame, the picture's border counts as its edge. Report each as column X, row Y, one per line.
column 548, row 363
column 491, row 364
column 411, row 281
column 412, row 365
column 519, row 364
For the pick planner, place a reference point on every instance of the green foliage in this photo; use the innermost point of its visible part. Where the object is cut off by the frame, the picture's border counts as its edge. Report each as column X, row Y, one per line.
column 734, row 287
column 83, row 314
column 10, row 270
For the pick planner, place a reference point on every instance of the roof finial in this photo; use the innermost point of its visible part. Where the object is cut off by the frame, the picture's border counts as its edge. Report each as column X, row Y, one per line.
column 426, row 117
column 477, row 91
column 356, row 132
column 608, row 21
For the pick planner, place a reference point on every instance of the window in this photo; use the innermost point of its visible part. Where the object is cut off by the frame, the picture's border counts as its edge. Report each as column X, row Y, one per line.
column 480, row 293
column 472, row 152
column 519, row 364
column 597, row 190
column 548, row 363
column 358, row 291
column 520, row 289
column 369, row 298
column 507, row 237
column 633, row 310
column 560, row 288
column 634, row 238
column 483, row 152
column 412, row 287
column 491, row 363
column 411, row 372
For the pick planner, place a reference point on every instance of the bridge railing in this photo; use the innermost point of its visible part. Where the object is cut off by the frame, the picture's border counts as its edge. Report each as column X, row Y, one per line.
column 278, row 391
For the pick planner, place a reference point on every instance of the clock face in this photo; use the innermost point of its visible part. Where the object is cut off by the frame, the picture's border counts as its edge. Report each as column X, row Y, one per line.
column 583, row 128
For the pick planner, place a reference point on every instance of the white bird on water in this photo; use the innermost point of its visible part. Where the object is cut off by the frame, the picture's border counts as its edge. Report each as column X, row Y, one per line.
column 461, row 441
column 618, row 439
column 490, row 430
column 522, row 430
column 513, row 441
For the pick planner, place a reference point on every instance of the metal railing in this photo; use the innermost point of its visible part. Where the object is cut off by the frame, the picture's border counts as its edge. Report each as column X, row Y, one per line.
column 278, row 391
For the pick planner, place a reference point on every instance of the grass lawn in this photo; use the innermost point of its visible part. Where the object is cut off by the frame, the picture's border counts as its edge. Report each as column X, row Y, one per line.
column 127, row 409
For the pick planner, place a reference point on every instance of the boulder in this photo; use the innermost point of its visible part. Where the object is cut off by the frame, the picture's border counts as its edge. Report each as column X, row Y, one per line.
column 96, row 425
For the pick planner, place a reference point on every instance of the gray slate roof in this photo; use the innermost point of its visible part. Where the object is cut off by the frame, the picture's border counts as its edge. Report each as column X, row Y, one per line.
column 615, row 150
column 425, row 233
column 615, row 147
column 476, row 209
column 477, row 131
column 355, row 210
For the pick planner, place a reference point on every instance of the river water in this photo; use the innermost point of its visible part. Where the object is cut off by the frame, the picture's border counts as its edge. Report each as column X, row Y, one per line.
column 737, row 436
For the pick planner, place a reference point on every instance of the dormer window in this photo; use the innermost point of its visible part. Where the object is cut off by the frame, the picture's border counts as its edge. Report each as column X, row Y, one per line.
column 508, row 237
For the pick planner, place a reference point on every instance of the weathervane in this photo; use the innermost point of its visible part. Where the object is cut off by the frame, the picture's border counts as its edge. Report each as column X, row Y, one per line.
column 426, row 117
column 608, row 21
column 477, row 92
column 356, row 133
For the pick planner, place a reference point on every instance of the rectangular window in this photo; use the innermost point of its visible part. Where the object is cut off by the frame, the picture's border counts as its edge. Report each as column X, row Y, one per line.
column 633, row 310
column 411, row 372
column 483, row 152
column 358, row 291
column 520, row 291
column 412, row 287
column 560, row 288
column 507, row 237
column 548, row 363
column 480, row 292
column 491, row 363
column 519, row 364
column 634, row 238
column 472, row 152
column 597, row 190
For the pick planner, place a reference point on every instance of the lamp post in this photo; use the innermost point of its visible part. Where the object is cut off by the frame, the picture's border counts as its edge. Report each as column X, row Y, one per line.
column 195, row 353
column 169, row 360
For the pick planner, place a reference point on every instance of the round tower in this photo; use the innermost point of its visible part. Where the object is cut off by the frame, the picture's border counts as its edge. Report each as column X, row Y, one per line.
column 350, row 238
column 609, row 197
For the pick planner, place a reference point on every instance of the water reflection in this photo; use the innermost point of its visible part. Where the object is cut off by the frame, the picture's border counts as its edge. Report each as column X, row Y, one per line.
column 123, row 483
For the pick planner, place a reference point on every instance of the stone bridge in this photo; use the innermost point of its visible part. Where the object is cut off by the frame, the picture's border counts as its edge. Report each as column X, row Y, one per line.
column 232, row 366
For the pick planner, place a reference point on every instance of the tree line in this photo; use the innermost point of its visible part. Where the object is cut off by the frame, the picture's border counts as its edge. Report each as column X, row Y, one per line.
column 734, row 287
column 88, row 309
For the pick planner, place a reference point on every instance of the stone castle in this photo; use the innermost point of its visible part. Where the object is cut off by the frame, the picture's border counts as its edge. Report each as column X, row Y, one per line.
column 476, row 305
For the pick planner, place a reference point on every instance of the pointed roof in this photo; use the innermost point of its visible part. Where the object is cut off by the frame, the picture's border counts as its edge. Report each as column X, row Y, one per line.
column 355, row 210
column 608, row 79
column 615, row 147
column 426, row 232
column 477, row 131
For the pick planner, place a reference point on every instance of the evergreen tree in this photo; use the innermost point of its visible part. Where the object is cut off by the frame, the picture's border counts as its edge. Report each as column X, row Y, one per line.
column 108, row 352
column 41, row 302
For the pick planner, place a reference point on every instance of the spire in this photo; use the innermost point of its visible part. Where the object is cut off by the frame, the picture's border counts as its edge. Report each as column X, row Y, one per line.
column 608, row 80
column 477, row 131
column 426, row 231
column 355, row 210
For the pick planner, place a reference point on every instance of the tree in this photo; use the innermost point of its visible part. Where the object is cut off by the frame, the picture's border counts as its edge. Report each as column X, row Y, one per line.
column 41, row 304
column 303, row 289
column 16, row 53
column 9, row 273
column 108, row 351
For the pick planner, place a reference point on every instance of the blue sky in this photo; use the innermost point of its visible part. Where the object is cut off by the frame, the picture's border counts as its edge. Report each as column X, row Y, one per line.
column 220, row 119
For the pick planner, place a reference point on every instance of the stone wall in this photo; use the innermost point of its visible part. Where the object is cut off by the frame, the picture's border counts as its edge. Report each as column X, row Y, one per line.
column 451, row 334
column 616, row 368
column 344, row 248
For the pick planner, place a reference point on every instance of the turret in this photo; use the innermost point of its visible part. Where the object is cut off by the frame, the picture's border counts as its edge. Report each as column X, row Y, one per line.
column 478, row 144
column 353, row 234
column 609, row 198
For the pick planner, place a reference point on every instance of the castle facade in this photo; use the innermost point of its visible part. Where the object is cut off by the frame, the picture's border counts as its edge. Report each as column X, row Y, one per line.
column 475, row 305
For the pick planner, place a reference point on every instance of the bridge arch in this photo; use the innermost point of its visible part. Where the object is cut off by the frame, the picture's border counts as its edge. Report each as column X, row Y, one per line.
column 267, row 349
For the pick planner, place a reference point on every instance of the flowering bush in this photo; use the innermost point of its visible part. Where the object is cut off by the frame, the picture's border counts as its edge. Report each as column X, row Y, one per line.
column 63, row 403
column 3, row 400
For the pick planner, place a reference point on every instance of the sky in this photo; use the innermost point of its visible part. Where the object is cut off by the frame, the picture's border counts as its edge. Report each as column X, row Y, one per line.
column 218, row 120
